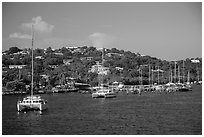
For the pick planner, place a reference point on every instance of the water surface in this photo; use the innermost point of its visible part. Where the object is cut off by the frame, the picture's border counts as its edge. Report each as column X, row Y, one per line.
column 74, row 114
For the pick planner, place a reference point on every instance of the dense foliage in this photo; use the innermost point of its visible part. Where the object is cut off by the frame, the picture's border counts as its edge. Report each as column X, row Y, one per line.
column 51, row 69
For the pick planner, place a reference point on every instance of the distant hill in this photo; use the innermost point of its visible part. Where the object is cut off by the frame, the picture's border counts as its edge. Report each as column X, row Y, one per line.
column 75, row 62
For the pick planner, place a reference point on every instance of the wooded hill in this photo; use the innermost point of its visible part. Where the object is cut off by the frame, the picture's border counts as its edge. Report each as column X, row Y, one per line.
column 55, row 66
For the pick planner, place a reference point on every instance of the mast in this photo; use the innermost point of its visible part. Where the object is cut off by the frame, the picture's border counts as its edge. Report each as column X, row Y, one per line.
column 178, row 74
column 102, row 66
column 141, row 77
column 158, row 74
column 169, row 76
column 162, row 79
column 32, row 61
column 149, row 74
column 175, row 72
column 183, row 72
column 152, row 75
column 188, row 77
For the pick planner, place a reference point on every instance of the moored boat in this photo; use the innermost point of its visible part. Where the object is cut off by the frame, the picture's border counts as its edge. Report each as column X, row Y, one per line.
column 184, row 88
column 104, row 93
column 34, row 102
column 31, row 102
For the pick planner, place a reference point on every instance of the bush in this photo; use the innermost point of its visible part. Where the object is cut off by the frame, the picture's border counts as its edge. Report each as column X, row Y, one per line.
column 15, row 86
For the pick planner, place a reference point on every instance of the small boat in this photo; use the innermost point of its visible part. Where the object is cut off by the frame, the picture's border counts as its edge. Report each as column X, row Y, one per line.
column 185, row 88
column 34, row 102
column 104, row 93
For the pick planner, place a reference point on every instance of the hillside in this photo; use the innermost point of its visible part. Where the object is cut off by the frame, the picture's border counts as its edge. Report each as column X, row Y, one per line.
column 57, row 66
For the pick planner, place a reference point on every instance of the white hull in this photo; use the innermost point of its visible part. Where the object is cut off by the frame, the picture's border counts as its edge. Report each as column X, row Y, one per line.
column 103, row 94
column 31, row 106
column 32, row 103
column 110, row 95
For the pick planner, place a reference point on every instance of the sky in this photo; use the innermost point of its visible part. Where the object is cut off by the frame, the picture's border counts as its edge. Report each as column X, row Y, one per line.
column 168, row 30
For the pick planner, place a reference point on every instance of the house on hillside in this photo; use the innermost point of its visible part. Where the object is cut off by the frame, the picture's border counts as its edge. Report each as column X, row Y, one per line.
column 39, row 57
column 53, row 66
column 119, row 68
column 195, row 61
column 86, row 58
column 113, row 54
column 58, row 53
column 98, row 68
column 16, row 66
column 67, row 61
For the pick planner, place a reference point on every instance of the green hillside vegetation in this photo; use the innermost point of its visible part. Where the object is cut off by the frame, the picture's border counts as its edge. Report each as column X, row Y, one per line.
column 56, row 67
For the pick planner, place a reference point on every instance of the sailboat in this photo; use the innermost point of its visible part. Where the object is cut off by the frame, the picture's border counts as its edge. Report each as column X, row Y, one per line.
column 103, row 92
column 32, row 102
column 187, row 86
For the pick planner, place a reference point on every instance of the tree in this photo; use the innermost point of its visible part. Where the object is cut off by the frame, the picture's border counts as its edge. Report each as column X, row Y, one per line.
column 114, row 50
column 49, row 50
column 15, row 86
column 39, row 52
column 14, row 50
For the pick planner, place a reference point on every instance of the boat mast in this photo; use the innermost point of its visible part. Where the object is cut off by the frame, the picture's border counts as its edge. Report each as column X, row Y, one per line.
column 178, row 74
column 175, row 72
column 102, row 67
column 188, row 77
column 158, row 73
column 171, row 77
column 183, row 72
column 32, row 61
column 141, row 77
column 152, row 75
column 149, row 74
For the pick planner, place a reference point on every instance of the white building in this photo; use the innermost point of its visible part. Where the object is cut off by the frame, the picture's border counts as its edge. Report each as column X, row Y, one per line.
column 113, row 54
column 195, row 61
column 39, row 57
column 16, row 66
column 98, row 68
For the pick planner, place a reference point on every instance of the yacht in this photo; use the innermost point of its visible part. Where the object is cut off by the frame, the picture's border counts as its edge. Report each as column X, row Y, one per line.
column 103, row 93
column 32, row 102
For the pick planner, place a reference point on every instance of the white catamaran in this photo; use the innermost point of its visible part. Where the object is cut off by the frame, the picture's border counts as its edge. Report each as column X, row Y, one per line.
column 32, row 102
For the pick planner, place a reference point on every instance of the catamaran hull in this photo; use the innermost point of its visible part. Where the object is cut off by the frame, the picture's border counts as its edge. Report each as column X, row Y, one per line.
column 110, row 96
column 95, row 95
column 184, row 89
column 27, row 107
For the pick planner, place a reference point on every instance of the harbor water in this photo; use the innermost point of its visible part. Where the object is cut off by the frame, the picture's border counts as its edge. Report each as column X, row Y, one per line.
column 178, row 113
